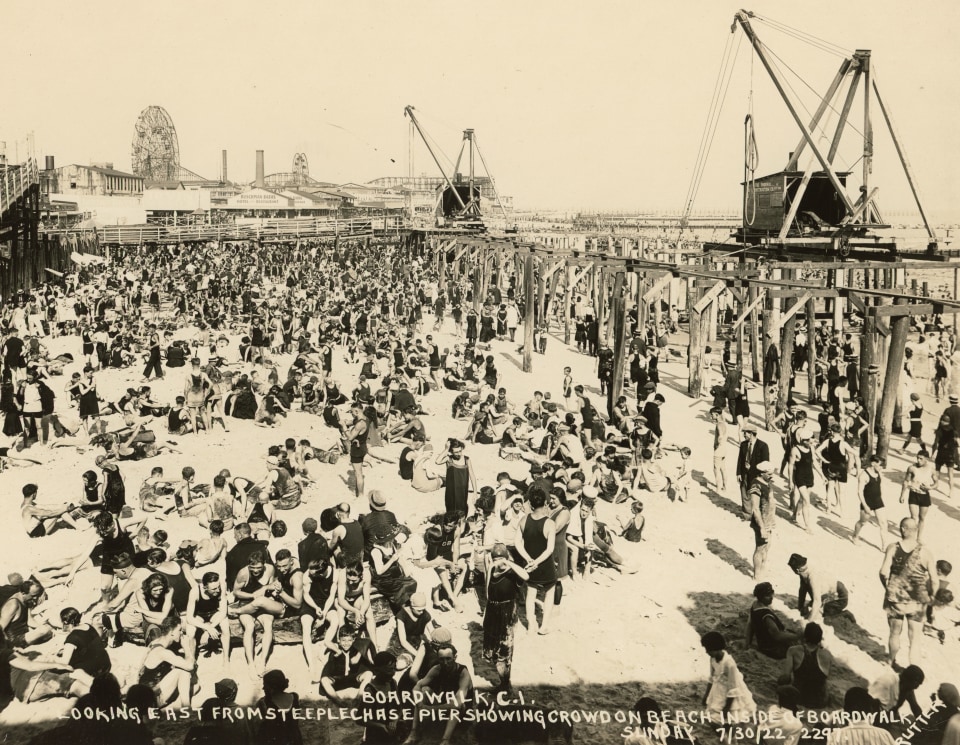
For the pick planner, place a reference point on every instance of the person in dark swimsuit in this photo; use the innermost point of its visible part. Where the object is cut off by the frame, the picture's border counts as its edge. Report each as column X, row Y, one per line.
column 536, row 534
column 355, row 440
column 801, row 477
column 250, row 589
column 807, row 667
column 765, row 626
column 165, row 672
column 317, row 613
column 836, row 455
column 114, row 490
column 446, row 677
column 207, row 615
column 871, row 501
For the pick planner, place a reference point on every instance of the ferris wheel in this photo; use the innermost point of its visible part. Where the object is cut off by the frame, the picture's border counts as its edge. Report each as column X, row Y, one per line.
column 301, row 169
column 156, row 151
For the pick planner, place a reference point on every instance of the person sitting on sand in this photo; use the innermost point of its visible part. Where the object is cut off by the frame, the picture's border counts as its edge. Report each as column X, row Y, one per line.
column 41, row 521
column 807, row 668
column 765, row 626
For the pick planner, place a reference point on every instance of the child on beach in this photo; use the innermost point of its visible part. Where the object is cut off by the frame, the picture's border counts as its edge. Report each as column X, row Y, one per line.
column 727, row 695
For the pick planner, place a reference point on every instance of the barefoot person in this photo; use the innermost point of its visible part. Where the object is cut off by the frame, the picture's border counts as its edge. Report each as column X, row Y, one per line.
column 907, row 573
column 871, row 501
column 536, row 534
column 920, row 480
column 762, row 515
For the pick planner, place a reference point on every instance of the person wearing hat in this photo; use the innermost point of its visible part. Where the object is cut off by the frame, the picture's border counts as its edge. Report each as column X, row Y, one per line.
column 765, row 627
column 763, row 515
column 278, row 723
column 379, row 520
column 771, row 362
column 753, row 451
column 504, row 581
column 227, row 730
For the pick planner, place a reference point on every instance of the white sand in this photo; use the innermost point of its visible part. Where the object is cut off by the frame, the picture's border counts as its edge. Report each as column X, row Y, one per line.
column 630, row 629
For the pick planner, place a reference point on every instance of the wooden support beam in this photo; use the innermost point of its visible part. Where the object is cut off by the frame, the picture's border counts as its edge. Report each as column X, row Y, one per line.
column 868, row 378
column 786, row 316
column 776, row 292
column 541, row 315
column 615, row 387
column 579, row 275
column 529, row 290
column 746, row 311
column 618, row 282
column 891, row 381
column 905, row 310
column 812, row 350
column 879, row 325
column 694, row 350
column 555, row 266
column 567, row 303
column 709, row 297
column 657, row 288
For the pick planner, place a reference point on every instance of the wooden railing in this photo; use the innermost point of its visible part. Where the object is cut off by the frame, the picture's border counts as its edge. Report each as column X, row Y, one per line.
column 15, row 180
column 313, row 227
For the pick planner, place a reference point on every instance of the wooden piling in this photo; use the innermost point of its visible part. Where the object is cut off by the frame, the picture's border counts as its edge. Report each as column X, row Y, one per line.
column 868, row 378
column 812, row 350
column 529, row 289
column 899, row 326
column 615, row 388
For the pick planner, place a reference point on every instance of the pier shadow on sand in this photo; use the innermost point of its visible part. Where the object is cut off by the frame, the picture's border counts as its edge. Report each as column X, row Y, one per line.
column 834, row 528
column 728, row 614
column 722, row 551
column 847, row 629
column 718, row 500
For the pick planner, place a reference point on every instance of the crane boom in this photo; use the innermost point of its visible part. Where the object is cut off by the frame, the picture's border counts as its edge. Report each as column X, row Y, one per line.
column 408, row 110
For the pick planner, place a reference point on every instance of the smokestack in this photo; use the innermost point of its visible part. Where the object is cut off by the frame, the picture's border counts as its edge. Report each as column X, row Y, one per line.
column 260, row 180
column 223, row 172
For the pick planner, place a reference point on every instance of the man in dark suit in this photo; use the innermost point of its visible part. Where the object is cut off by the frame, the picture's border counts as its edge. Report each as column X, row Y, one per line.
column 752, row 452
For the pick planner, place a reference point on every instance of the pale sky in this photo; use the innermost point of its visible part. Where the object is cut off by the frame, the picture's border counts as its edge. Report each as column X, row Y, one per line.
column 576, row 105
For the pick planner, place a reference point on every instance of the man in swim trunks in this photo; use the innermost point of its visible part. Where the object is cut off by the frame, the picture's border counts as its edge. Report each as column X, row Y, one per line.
column 920, row 480
column 40, row 521
column 907, row 573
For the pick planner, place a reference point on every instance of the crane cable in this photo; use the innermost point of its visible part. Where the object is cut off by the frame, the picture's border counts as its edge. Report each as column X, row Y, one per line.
column 751, row 158
column 721, row 86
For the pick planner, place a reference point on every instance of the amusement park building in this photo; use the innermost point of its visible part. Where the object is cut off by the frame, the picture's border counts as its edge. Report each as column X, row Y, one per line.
column 97, row 180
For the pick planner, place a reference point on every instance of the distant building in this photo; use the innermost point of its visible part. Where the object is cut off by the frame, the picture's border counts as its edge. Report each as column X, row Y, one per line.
column 100, row 179
column 259, row 202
